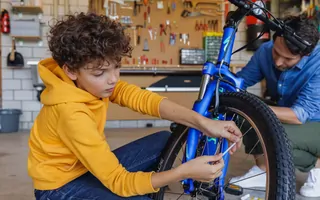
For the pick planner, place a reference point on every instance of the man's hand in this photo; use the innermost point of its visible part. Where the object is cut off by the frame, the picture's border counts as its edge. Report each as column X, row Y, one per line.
column 224, row 129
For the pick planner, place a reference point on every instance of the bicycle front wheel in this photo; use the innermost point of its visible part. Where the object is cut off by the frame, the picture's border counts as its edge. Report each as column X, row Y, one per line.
column 250, row 112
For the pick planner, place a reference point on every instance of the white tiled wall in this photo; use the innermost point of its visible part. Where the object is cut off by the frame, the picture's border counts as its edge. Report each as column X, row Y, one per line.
column 17, row 87
column 18, row 91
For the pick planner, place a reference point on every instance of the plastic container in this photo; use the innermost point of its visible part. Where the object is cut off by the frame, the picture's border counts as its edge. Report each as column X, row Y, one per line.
column 9, row 120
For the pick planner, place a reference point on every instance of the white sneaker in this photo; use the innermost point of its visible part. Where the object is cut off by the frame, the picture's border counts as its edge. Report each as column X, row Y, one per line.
column 312, row 187
column 255, row 177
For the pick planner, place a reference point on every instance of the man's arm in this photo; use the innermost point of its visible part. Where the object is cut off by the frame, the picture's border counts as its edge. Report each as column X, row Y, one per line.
column 252, row 73
column 286, row 115
column 306, row 105
column 308, row 102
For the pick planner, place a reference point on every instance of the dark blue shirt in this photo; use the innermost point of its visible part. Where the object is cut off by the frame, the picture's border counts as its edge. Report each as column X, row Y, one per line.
column 297, row 88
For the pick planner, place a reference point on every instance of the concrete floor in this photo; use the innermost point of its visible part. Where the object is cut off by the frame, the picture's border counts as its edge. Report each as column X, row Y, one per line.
column 16, row 185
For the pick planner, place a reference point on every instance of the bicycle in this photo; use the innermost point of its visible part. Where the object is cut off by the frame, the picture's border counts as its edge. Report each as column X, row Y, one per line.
column 222, row 97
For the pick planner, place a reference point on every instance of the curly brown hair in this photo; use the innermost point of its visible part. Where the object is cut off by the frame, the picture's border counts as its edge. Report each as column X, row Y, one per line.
column 88, row 38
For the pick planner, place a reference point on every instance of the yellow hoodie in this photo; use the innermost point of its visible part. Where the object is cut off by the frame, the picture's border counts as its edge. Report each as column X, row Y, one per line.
column 67, row 138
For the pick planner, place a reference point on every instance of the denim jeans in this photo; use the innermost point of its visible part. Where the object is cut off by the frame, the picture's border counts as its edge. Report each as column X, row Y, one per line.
column 140, row 155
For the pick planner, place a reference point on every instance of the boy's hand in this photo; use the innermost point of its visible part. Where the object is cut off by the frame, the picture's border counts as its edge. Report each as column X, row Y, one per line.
column 200, row 168
column 224, row 129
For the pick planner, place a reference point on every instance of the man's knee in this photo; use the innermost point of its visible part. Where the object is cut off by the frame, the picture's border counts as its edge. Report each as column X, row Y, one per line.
column 303, row 160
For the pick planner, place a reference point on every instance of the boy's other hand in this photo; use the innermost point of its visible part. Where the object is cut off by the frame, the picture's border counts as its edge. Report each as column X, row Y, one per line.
column 200, row 168
column 223, row 129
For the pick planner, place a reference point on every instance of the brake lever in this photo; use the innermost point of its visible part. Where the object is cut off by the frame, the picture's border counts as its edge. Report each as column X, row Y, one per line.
column 290, row 35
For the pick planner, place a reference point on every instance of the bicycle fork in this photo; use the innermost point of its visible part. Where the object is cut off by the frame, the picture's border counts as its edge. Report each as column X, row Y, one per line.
column 201, row 106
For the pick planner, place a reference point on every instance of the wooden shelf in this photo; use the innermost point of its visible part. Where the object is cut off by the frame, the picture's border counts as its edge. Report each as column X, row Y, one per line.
column 26, row 37
column 27, row 9
column 177, row 67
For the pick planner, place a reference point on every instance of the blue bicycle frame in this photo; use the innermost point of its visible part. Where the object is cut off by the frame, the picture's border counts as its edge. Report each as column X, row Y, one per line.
column 206, row 94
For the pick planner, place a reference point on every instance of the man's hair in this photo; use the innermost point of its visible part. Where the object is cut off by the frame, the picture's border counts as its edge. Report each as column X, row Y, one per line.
column 88, row 38
column 304, row 28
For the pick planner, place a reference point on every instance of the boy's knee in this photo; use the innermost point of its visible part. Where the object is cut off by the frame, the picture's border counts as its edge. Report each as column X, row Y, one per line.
column 163, row 135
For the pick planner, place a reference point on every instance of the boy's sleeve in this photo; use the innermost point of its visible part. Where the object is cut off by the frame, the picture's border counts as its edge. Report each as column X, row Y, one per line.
column 79, row 133
column 137, row 99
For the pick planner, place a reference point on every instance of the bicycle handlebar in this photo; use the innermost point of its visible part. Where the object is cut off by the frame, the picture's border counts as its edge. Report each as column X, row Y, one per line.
column 276, row 25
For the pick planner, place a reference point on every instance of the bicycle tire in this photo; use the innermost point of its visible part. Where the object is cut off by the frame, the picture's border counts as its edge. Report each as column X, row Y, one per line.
column 281, row 167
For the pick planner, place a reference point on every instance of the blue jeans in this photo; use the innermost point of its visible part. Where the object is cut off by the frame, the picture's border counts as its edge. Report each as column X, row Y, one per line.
column 140, row 155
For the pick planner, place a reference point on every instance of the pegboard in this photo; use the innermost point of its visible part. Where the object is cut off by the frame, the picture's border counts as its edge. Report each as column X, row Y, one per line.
column 179, row 25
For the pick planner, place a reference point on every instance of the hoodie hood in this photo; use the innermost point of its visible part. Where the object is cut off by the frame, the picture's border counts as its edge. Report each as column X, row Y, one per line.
column 59, row 87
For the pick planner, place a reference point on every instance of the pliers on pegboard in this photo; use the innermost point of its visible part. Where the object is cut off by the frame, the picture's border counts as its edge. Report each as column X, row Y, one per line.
column 187, row 4
column 162, row 45
column 162, row 29
column 198, row 26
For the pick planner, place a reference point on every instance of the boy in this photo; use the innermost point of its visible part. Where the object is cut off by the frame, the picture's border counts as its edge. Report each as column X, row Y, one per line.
column 69, row 157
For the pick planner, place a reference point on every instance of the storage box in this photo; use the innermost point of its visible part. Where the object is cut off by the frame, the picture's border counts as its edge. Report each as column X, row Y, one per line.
column 192, row 57
column 25, row 28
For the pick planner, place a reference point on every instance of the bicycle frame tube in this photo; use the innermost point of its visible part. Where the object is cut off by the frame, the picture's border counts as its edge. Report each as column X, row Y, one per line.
column 208, row 86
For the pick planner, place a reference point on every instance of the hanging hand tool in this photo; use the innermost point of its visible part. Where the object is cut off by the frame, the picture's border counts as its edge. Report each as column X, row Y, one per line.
column 145, row 20
column 168, row 9
column 139, row 33
column 162, row 29
column 172, row 39
column 205, row 25
column 197, row 26
column 150, row 32
column 136, row 8
column 106, row 7
column 160, row 4
column 134, row 36
column 173, row 5
column 162, row 45
column 187, row 4
column 145, row 45
column 201, row 26
column 168, row 25
column 186, row 13
column 215, row 26
column 155, row 34
column 115, row 11
column 175, row 24
column 149, row 14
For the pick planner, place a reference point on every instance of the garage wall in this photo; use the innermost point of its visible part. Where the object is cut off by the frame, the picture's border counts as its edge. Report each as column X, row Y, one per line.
column 18, row 91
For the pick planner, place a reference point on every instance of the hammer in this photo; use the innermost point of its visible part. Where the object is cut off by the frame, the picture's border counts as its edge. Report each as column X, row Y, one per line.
column 139, row 32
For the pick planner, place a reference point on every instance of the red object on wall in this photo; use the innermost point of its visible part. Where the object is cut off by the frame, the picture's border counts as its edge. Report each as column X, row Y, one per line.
column 5, row 21
column 251, row 20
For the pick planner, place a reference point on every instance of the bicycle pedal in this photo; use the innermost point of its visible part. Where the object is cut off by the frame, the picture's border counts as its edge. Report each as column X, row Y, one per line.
column 233, row 189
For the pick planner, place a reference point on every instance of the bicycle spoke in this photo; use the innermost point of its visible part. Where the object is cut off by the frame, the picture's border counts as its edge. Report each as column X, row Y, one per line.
column 242, row 124
column 233, row 116
column 248, row 178
column 249, row 154
column 247, row 131
column 253, row 189
column 180, row 196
